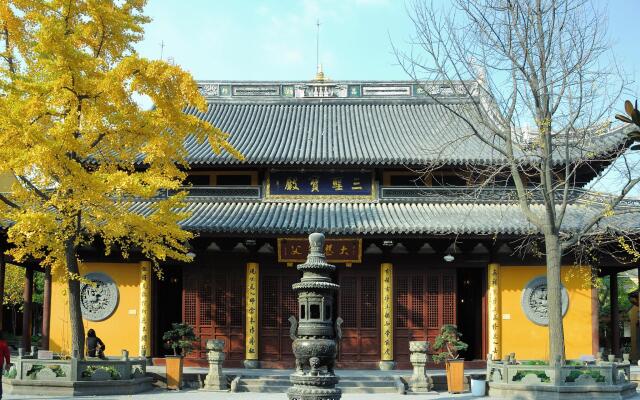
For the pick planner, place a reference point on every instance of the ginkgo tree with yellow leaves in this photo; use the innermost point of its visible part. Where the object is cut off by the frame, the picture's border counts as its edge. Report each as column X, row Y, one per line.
column 80, row 147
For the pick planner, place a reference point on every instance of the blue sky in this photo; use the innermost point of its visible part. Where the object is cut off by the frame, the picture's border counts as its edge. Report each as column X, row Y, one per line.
column 275, row 39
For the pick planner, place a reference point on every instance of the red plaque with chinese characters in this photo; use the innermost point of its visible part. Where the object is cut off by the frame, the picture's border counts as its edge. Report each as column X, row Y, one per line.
column 295, row 250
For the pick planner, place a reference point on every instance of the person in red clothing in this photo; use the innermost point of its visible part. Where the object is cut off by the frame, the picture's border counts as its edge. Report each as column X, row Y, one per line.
column 5, row 357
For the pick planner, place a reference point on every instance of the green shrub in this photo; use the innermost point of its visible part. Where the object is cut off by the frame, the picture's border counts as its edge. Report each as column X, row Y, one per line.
column 39, row 367
column 540, row 374
column 448, row 344
column 533, row 362
column 575, row 374
column 180, row 336
column 90, row 370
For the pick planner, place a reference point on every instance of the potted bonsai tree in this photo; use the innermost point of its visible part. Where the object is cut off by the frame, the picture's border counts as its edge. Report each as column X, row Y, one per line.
column 448, row 347
column 180, row 338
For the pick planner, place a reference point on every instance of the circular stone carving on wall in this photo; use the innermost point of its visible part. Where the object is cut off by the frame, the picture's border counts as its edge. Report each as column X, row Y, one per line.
column 100, row 301
column 534, row 301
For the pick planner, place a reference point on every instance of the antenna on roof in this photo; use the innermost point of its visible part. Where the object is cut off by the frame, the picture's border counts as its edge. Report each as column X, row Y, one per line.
column 161, row 49
column 319, row 74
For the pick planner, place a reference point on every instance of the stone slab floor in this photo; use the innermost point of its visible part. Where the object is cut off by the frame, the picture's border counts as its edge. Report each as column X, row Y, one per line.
column 198, row 395
column 163, row 394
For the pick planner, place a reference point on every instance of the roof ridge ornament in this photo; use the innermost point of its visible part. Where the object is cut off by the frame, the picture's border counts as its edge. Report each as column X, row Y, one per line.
column 320, row 75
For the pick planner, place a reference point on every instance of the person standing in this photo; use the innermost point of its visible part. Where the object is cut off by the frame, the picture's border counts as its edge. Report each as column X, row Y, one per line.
column 5, row 356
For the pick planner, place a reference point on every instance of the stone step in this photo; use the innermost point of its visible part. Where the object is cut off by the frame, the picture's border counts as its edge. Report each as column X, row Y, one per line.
column 262, row 389
column 364, row 379
column 355, row 383
column 370, row 390
column 262, row 382
column 280, row 384
column 283, row 389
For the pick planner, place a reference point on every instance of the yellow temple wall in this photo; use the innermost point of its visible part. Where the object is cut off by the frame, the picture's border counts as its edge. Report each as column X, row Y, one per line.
column 530, row 341
column 120, row 330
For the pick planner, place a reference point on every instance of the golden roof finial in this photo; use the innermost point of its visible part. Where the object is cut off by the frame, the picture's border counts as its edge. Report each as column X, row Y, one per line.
column 320, row 75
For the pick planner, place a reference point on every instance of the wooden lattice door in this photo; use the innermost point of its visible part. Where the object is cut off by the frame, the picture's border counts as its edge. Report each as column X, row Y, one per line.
column 278, row 302
column 423, row 302
column 213, row 303
column 358, row 306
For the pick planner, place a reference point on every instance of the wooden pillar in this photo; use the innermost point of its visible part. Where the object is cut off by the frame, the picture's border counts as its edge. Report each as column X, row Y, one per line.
column 46, row 309
column 26, row 309
column 636, row 338
column 3, row 269
column 386, row 318
column 144, row 340
column 494, row 311
column 615, row 314
column 251, row 315
column 595, row 322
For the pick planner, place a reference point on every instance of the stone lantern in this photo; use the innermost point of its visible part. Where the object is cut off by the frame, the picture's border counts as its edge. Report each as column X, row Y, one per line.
column 315, row 337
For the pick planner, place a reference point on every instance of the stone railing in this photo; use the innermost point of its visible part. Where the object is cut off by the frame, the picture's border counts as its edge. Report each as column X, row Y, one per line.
column 30, row 367
column 506, row 378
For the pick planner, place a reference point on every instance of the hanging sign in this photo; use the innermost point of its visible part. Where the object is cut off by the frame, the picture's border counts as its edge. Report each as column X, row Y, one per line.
column 295, row 250
column 320, row 183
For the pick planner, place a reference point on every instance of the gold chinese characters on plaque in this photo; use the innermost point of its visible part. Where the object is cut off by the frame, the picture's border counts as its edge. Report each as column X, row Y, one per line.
column 295, row 250
column 251, row 345
column 386, row 319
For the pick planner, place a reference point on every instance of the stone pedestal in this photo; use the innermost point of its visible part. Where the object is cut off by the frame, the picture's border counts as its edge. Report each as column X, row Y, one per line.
column 386, row 365
column 420, row 382
column 215, row 379
column 251, row 364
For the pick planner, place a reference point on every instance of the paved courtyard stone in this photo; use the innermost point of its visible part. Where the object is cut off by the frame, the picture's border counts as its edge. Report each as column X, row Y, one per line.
column 163, row 394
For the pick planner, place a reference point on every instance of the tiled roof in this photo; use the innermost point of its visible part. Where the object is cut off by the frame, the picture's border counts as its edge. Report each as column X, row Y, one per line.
column 357, row 132
column 369, row 218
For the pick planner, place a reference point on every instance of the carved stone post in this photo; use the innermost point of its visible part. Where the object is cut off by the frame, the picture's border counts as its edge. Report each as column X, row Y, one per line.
column 420, row 381
column 215, row 379
column 315, row 338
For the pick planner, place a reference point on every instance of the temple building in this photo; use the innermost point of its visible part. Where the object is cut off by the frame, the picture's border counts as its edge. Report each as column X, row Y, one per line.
column 413, row 251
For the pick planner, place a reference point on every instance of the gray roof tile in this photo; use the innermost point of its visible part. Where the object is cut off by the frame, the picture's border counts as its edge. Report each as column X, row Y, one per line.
column 411, row 131
column 372, row 218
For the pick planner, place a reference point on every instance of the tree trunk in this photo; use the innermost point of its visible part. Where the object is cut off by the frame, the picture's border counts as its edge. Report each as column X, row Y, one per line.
column 14, row 320
column 27, row 297
column 46, row 309
column 554, row 299
column 3, row 269
column 75, row 312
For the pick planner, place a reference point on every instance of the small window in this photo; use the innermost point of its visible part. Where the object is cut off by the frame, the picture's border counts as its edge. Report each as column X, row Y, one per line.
column 327, row 312
column 197, row 180
column 302, row 313
column 233, row 180
column 314, row 311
